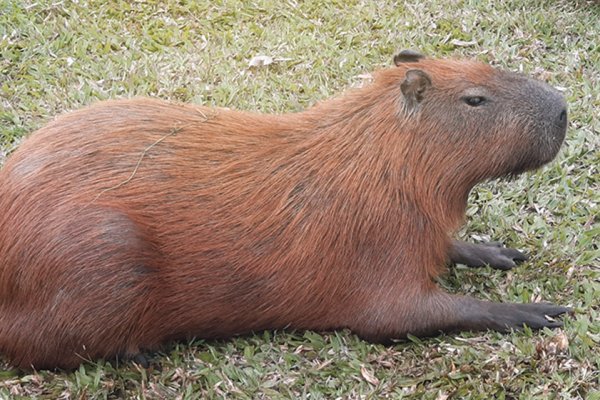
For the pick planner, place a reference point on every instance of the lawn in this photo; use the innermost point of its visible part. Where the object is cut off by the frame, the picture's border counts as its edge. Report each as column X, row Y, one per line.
column 57, row 56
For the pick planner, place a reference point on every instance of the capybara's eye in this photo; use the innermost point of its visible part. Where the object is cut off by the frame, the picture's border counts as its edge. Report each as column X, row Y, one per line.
column 474, row 101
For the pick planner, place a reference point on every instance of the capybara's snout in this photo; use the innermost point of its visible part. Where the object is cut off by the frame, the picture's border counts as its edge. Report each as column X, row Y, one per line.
column 552, row 109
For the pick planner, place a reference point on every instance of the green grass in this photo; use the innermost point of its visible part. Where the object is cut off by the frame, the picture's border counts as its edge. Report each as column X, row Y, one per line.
column 60, row 55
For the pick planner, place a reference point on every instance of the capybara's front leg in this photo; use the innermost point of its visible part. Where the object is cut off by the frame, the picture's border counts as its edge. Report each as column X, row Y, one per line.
column 436, row 311
column 479, row 255
column 477, row 315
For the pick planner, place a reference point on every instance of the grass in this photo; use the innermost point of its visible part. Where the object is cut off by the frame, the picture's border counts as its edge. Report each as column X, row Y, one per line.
column 60, row 55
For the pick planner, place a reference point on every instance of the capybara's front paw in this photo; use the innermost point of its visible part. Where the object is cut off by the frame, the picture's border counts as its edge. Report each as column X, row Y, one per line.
column 514, row 316
column 491, row 253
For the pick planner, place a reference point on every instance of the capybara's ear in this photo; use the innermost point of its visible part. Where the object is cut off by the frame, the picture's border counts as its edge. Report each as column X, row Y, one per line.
column 407, row 56
column 414, row 86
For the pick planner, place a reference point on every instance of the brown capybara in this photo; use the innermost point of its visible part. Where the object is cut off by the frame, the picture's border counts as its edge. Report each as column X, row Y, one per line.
column 131, row 223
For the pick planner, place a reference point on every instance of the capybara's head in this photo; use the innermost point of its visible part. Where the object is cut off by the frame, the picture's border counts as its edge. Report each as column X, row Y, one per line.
column 490, row 122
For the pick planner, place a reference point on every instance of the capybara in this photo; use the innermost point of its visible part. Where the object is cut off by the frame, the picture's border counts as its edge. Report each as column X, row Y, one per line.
column 135, row 222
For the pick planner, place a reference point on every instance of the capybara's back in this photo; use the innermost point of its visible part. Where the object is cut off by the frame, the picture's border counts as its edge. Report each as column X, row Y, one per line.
column 134, row 222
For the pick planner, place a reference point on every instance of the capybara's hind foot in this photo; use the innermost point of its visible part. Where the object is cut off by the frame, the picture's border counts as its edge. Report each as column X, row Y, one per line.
column 141, row 359
column 136, row 356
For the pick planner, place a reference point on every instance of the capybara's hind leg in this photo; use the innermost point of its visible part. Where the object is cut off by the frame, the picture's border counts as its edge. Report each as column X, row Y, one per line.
column 435, row 311
column 91, row 295
column 30, row 340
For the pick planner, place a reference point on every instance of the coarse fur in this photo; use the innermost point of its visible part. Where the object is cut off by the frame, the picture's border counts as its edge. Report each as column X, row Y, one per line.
column 133, row 222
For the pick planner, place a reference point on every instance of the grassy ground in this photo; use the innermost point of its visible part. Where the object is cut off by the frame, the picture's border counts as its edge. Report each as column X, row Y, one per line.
column 60, row 55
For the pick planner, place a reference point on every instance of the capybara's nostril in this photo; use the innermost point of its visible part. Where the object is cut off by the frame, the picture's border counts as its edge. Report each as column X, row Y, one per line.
column 562, row 118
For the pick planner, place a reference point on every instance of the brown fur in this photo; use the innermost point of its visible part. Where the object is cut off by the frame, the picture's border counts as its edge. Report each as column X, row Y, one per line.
column 134, row 222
